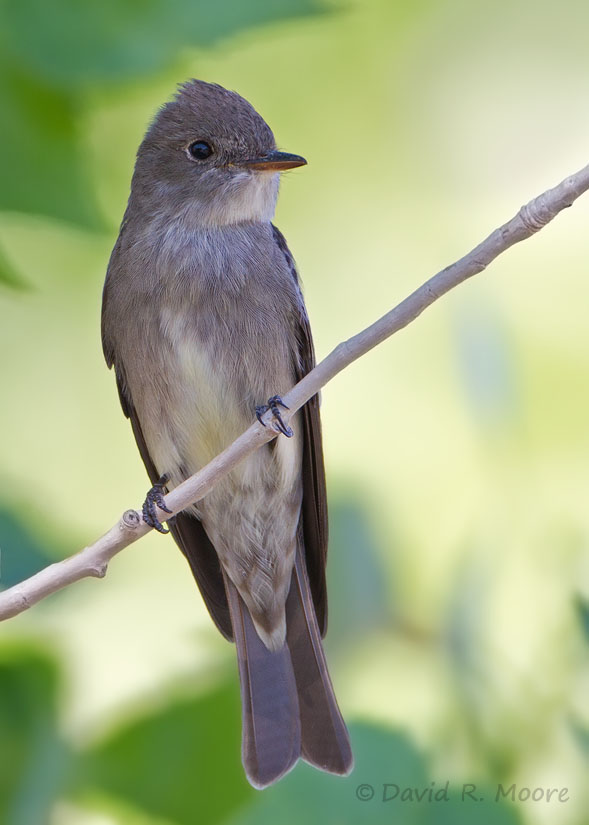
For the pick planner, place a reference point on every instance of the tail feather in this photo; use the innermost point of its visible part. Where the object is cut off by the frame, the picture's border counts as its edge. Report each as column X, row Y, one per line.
column 271, row 730
column 289, row 708
column 325, row 739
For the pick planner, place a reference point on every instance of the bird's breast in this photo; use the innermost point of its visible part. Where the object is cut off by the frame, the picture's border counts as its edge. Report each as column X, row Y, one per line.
column 226, row 357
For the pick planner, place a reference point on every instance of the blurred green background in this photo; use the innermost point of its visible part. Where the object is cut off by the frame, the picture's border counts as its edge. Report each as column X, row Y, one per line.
column 456, row 453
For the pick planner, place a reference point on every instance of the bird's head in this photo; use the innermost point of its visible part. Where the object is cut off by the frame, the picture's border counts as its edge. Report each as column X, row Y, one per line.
column 211, row 158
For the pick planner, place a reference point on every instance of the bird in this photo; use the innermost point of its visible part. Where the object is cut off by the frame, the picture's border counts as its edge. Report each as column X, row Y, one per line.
column 204, row 323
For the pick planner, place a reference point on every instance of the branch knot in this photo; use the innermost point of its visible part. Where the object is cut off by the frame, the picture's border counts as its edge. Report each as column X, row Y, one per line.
column 131, row 519
column 536, row 214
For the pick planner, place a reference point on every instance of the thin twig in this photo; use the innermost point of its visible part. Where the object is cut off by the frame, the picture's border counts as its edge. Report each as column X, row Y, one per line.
column 93, row 560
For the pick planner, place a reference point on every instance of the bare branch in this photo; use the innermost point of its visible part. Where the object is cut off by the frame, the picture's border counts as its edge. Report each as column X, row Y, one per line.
column 93, row 560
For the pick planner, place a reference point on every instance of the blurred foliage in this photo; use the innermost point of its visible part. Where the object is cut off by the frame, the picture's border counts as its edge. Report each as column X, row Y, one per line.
column 42, row 165
column 21, row 553
column 152, row 762
column 53, row 55
column 582, row 606
column 74, row 45
column 360, row 602
column 180, row 764
column 8, row 275
column 458, row 571
column 32, row 755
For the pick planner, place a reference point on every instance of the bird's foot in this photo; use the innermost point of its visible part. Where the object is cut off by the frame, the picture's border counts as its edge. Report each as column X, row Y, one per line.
column 154, row 499
column 273, row 405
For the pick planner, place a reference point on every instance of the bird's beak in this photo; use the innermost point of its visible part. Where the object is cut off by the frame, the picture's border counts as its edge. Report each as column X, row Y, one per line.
column 275, row 162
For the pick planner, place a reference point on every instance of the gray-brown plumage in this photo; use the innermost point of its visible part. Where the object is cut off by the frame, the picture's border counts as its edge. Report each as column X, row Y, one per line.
column 203, row 320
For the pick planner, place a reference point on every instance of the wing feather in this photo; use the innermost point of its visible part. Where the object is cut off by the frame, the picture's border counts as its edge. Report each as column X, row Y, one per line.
column 186, row 529
column 314, row 511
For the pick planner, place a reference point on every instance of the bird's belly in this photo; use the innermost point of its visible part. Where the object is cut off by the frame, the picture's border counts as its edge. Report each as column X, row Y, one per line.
column 214, row 387
column 252, row 514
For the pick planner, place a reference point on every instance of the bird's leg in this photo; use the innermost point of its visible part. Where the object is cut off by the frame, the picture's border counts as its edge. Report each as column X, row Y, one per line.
column 273, row 404
column 154, row 497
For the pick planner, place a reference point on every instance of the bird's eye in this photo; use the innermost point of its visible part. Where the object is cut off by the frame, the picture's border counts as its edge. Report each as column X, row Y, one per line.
column 200, row 150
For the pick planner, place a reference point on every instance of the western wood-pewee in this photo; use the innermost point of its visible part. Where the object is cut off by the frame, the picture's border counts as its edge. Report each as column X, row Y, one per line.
column 203, row 320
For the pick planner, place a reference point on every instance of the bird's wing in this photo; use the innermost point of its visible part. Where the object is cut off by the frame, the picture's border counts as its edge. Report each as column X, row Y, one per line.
column 314, row 510
column 186, row 529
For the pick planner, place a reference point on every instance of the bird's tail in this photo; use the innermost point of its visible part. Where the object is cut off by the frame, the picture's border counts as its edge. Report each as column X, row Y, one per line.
column 289, row 709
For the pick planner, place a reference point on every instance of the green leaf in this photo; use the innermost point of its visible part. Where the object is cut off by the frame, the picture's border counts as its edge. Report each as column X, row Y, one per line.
column 389, row 784
column 308, row 796
column 481, row 807
column 8, row 275
column 358, row 596
column 582, row 608
column 33, row 759
column 581, row 735
column 41, row 164
column 52, row 54
column 180, row 763
column 21, row 554
column 73, row 44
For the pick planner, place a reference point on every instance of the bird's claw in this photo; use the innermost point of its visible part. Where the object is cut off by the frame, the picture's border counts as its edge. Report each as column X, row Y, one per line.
column 154, row 499
column 273, row 405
